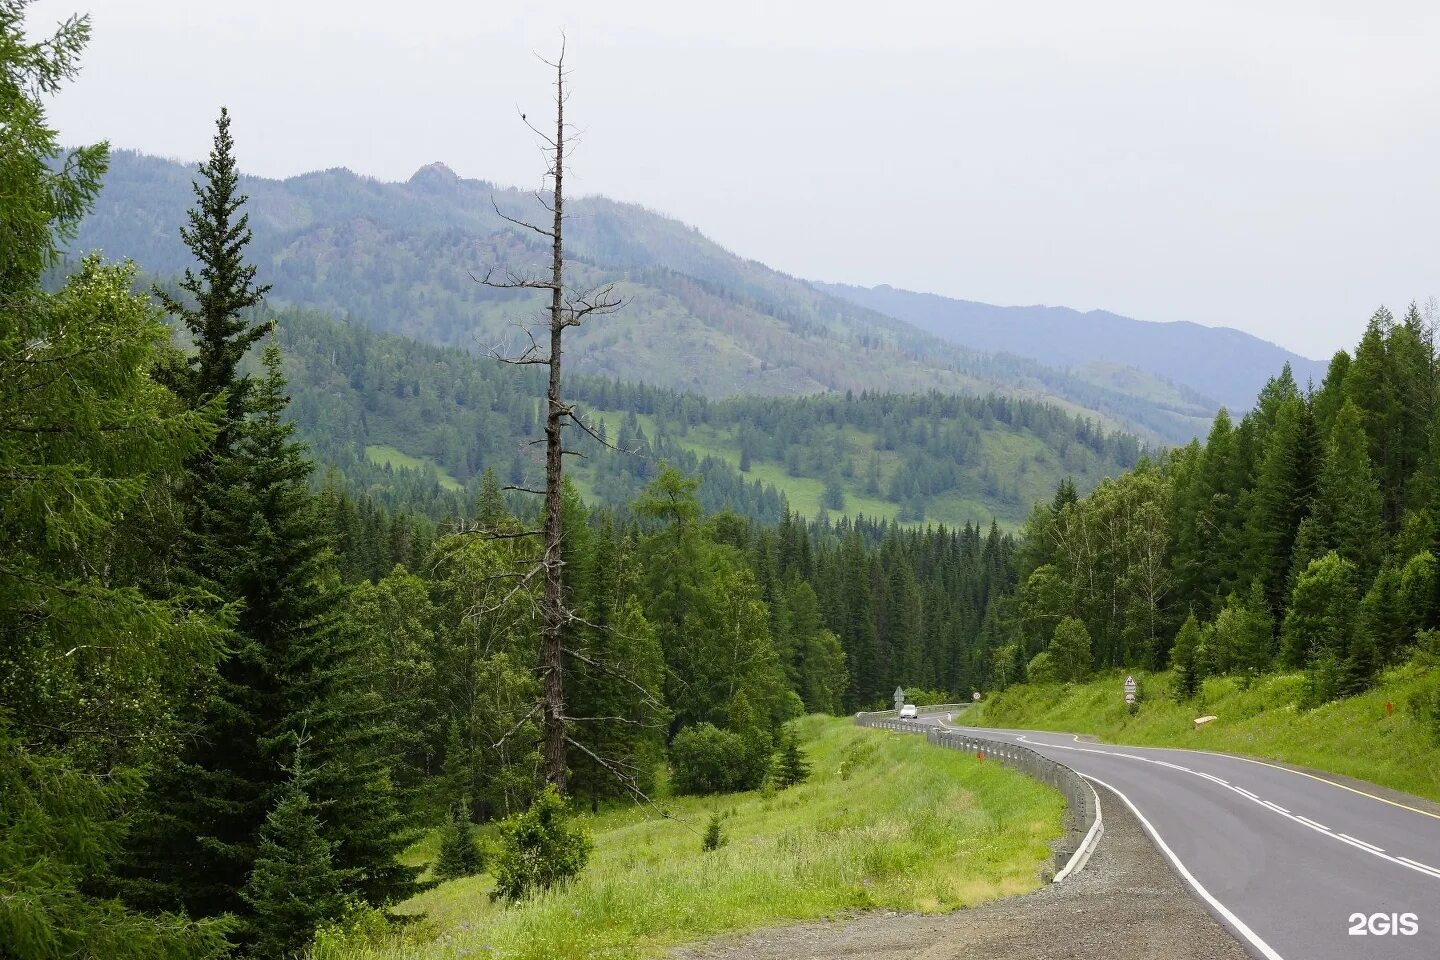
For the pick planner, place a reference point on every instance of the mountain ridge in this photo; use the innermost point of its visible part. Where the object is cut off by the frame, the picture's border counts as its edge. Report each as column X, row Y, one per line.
column 1173, row 350
column 400, row 257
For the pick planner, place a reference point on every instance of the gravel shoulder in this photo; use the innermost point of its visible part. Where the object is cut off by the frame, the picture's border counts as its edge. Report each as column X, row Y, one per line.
column 1127, row 902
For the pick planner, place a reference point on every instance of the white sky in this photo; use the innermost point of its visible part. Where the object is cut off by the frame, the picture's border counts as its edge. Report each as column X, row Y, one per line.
column 1265, row 165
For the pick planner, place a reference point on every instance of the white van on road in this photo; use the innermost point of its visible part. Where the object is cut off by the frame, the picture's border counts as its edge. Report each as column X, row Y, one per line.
column 909, row 712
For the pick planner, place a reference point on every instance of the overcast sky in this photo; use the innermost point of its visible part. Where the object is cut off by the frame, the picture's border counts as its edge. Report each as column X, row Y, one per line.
column 1271, row 169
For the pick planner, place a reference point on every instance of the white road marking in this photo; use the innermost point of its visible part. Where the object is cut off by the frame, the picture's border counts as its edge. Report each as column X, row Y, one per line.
column 1235, row 922
column 1422, row 867
column 1369, row 848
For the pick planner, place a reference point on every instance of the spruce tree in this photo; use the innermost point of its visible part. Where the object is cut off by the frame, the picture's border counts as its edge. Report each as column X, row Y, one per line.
column 792, row 767
column 1281, row 499
column 1347, row 499
column 1186, row 660
column 224, row 292
column 294, row 663
column 294, row 886
column 459, row 854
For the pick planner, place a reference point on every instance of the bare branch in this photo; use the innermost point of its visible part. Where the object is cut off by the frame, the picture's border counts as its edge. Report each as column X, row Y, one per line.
column 520, row 223
column 518, row 724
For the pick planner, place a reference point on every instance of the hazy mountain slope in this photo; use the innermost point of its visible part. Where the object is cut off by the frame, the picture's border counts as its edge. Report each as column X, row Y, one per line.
column 400, row 257
column 365, row 400
column 1229, row 365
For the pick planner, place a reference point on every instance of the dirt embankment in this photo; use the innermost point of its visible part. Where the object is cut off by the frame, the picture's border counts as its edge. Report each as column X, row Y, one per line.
column 1127, row 902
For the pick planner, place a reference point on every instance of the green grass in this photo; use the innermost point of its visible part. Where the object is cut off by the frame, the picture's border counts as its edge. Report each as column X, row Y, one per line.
column 383, row 455
column 885, row 821
column 1354, row 737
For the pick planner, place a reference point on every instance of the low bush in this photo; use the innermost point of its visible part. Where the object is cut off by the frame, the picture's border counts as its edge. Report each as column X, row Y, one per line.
column 705, row 759
column 539, row 849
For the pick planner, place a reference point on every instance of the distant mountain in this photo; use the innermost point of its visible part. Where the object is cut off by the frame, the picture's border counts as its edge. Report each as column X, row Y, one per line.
column 1229, row 365
column 400, row 257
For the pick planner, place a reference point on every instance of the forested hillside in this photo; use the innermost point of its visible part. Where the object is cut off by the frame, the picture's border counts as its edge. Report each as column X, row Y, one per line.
column 1190, row 368
column 402, row 257
column 1301, row 537
column 386, row 411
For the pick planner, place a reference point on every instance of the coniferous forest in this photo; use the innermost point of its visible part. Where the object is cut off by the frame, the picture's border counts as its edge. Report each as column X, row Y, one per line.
column 244, row 667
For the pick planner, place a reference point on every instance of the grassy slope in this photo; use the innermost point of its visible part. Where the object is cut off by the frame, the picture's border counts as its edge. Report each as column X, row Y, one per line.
column 1354, row 737
column 1008, row 454
column 911, row 827
column 384, row 455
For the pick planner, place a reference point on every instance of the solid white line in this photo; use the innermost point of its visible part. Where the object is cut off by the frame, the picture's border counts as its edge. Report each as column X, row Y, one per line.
column 1275, row 806
column 1235, row 922
column 1246, row 792
column 1369, row 846
column 1311, row 823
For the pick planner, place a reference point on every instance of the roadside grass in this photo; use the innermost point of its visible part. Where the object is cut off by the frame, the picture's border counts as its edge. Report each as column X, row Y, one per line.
column 884, row 821
column 1355, row 737
column 384, row 455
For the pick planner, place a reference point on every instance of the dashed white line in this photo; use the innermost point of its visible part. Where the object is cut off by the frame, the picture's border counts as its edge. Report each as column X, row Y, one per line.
column 1311, row 823
column 1367, row 846
column 1275, row 806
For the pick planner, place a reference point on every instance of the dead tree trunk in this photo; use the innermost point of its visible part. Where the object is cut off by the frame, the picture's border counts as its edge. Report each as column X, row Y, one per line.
column 552, row 664
column 565, row 310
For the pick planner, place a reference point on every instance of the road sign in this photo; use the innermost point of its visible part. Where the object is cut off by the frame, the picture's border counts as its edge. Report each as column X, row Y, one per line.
column 1129, row 689
column 975, row 695
column 899, row 698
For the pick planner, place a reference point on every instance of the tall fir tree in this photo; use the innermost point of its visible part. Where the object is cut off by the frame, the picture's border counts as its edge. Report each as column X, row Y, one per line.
column 1283, row 489
column 1347, row 510
column 223, row 294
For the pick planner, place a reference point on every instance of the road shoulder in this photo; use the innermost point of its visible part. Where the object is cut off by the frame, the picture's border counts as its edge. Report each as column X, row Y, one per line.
column 1127, row 902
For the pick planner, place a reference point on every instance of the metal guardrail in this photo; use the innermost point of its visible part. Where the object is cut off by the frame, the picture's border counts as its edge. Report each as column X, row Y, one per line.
column 1083, row 823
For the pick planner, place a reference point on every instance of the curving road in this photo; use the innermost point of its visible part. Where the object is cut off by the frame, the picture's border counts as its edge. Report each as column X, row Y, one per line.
column 1283, row 858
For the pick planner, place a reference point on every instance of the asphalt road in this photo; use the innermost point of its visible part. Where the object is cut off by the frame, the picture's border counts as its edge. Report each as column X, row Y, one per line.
column 1284, row 859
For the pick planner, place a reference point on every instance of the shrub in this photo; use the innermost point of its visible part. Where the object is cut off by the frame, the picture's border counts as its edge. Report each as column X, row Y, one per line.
column 1041, row 669
column 539, row 848
column 714, row 836
column 460, row 854
column 705, row 759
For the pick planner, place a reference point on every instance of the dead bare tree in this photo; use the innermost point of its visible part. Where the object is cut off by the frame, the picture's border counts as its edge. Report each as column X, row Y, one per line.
column 567, row 308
